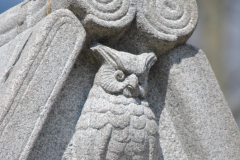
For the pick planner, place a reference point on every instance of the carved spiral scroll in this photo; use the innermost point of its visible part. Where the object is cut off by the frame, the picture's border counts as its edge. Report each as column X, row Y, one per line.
column 167, row 19
column 109, row 13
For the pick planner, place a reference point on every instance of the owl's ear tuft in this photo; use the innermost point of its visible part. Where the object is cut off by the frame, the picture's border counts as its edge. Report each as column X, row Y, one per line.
column 150, row 60
column 110, row 56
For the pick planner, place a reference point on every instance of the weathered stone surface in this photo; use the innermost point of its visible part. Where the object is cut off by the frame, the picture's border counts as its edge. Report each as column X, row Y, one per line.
column 35, row 80
column 160, row 25
column 196, row 113
column 182, row 116
column 10, row 54
column 60, row 125
column 166, row 23
column 13, row 22
column 106, row 18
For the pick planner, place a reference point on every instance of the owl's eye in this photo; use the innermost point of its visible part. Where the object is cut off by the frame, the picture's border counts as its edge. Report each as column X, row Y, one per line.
column 119, row 75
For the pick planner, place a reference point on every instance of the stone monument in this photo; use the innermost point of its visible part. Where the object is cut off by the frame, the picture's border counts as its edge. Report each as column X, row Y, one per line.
column 109, row 79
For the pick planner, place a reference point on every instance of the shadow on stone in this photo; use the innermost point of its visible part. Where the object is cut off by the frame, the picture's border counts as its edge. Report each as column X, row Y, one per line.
column 60, row 125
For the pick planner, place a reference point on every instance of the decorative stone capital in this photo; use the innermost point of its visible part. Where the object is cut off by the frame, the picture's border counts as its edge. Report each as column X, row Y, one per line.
column 170, row 21
column 164, row 23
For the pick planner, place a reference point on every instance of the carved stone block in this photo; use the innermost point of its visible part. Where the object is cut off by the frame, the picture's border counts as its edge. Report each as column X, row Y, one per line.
column 109, row 79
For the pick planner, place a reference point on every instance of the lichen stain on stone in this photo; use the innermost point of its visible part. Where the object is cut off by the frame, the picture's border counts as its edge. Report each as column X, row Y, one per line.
column 48, row 9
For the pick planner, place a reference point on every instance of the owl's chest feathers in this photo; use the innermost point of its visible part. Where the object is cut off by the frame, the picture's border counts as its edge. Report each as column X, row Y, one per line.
column 120, row 112
column 133, row 129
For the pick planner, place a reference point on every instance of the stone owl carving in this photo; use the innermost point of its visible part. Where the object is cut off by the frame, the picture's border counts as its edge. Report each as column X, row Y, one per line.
column 116, row 121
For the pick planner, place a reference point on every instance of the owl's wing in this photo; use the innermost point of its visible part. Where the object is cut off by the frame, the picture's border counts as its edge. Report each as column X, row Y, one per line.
column 90, row 143
column 30, row 89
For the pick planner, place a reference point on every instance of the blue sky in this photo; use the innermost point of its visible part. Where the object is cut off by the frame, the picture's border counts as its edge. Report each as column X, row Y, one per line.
column 6, row 4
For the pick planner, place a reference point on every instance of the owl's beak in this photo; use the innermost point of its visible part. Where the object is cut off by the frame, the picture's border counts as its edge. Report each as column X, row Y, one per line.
column 133, row 82
column 131, row 89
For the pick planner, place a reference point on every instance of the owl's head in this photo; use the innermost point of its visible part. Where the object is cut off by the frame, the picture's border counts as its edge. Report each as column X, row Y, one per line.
column 122, row 72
